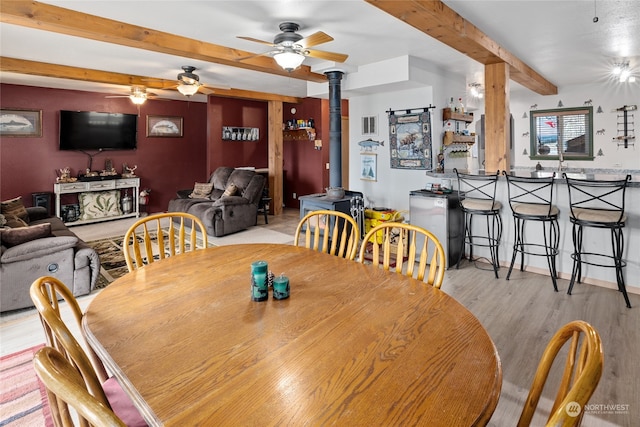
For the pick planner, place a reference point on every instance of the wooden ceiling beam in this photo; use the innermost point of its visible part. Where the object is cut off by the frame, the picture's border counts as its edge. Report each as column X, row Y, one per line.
column 436, row 19
column 21, row 66
column 69, row 22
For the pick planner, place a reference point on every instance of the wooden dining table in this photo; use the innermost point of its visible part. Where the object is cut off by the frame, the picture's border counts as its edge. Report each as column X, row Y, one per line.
column 353, row 345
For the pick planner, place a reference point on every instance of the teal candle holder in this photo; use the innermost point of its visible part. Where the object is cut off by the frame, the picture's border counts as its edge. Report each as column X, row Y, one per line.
column 281, row 287
column 259, row 284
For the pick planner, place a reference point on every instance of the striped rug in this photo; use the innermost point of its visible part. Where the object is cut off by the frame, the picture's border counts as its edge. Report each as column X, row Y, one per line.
column 23, row 398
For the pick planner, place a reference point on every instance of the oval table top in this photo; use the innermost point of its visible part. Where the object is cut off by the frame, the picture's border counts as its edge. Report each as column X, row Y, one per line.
column 353, row 345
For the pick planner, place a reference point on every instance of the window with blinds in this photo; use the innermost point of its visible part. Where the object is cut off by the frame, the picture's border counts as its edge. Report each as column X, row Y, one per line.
column 568, row 131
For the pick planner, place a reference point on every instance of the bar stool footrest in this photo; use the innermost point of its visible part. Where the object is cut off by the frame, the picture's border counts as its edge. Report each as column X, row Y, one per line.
column 587, row 255
column 530, row 249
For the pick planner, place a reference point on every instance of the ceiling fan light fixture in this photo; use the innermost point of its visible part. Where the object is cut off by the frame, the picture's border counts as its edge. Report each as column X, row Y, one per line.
column 188, row 89
column 289, row 60
column 138, row 99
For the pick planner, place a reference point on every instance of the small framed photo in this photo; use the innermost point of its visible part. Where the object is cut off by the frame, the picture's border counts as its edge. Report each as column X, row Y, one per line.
column 164, row 127
column 368, row 166
column 23, row 123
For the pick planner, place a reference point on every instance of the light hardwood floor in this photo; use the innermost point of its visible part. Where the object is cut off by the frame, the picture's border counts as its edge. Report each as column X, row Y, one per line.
column 520, row 315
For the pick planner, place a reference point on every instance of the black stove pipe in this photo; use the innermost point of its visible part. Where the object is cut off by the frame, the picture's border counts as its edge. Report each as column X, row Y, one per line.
column 335, row 129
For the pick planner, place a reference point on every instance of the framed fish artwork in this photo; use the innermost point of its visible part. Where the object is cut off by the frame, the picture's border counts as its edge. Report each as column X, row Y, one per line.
column 22, row 123
column 164, row 127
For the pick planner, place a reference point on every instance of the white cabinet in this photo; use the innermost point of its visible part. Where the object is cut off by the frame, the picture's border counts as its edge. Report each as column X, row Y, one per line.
column 93, row 186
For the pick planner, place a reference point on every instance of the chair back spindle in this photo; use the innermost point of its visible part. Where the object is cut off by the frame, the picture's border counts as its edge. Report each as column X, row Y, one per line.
column 141, row 246
column 331, row 232
column 406, row 248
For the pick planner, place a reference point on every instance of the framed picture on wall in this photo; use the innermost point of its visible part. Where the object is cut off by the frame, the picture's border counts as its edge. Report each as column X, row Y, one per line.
column 24, row 123
column 164, row 127
column 368, row 166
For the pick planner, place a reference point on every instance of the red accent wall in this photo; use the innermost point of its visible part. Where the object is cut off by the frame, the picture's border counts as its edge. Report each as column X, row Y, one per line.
column 236, row 113
column 313, row 177
column 29, row 165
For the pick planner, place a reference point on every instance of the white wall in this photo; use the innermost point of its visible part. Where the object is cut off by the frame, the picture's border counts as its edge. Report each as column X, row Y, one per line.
column 392, row 188
column 608, row 96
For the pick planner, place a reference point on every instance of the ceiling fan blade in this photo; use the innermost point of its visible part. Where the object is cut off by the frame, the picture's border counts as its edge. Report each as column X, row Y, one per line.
column 251, row 39
column 328, row 56
column 117, row 96
column 205, row 90
column 315, row 39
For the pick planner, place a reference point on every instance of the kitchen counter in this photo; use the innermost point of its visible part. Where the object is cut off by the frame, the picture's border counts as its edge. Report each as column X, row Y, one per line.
column 597, row 174
column 593, row 238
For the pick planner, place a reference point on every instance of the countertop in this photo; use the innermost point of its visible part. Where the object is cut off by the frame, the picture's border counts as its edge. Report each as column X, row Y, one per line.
column 592, row 174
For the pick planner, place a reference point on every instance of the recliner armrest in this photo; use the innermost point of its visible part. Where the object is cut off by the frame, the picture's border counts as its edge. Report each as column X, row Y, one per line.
column 37, row 248
column 230, row 201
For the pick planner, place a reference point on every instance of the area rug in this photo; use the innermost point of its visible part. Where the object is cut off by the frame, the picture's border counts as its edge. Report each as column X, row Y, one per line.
column 112, row 262
column 23, row 398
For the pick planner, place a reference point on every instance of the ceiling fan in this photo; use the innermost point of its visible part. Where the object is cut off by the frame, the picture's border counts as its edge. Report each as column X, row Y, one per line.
column 290, row 48
column 138, row 95
column 189, row 82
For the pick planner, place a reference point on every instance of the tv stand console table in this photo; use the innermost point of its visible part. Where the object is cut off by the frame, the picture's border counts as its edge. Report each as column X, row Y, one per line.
column 94, row 186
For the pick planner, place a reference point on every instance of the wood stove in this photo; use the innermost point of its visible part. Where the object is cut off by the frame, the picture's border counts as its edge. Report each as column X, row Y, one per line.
column 352, row 204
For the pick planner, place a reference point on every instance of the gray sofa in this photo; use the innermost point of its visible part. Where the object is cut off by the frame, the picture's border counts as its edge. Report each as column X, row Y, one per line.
column 222, row 214
column 62, row 255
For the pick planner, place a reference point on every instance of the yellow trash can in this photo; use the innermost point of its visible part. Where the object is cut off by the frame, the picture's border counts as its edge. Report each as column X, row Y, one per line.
column 373, row 218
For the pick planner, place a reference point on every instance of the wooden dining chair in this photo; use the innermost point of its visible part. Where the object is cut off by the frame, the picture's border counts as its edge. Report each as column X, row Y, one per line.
column 332, row 232
column 402, row 245
column 66, row 387
column 48, row 295
column 141, row 246
column 582, row 371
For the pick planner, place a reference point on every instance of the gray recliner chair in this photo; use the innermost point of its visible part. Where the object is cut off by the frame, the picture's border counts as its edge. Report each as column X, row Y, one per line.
column 223, row 214
column 61, row 255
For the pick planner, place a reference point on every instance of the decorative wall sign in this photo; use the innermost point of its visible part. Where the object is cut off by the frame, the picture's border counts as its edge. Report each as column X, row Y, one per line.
column 162, row 126
column 23, row 123
column 368, row 166
column 230, row 133
column 410, row 140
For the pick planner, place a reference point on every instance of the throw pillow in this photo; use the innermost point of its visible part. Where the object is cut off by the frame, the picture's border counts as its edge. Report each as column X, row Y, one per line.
column 201, row 190
column 231, row 190
column 15, row 207
column 16, row 236
column 3, row 220
column 13, row 221
column 100, row 204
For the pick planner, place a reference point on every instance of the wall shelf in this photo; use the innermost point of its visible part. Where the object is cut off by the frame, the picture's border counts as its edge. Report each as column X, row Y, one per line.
column 447, row 114
column 303, row 134
column 451, row 137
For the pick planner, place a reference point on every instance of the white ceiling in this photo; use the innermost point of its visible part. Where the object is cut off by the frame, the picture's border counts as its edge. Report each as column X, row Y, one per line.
column 558, row 39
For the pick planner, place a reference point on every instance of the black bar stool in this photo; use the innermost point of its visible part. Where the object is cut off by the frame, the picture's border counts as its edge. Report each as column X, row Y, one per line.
column 531, row 199
column 478, row 197
column 598, row 204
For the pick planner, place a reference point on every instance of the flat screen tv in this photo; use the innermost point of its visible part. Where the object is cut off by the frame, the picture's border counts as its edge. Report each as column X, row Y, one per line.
column 89, row 130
